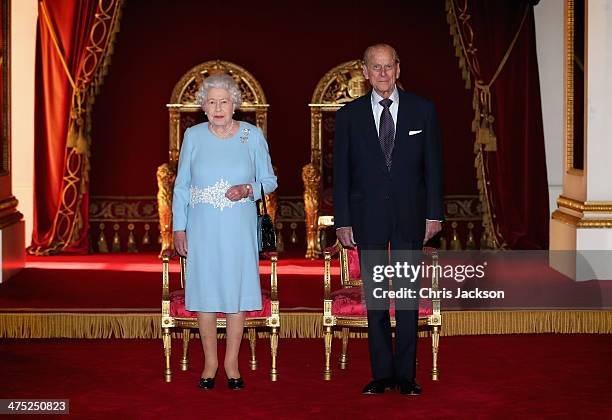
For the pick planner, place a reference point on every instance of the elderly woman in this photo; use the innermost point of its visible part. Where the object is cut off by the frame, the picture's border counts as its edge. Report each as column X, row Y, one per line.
column 223, row 166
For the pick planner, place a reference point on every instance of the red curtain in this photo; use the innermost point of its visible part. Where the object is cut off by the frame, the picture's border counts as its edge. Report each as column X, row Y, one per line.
column 72, row 42
column 497, row 39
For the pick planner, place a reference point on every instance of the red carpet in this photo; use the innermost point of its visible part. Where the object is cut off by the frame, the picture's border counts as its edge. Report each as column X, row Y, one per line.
column 527, row 376
column 133, row 282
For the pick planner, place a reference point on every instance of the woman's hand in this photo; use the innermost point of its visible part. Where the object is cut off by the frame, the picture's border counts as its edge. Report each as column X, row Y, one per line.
column 238, row 192
column 180, row 242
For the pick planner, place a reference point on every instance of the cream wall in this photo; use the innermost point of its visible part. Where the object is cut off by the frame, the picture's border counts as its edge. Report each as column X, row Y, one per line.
column 23, row 38
column 599, row 102
column 549, row 19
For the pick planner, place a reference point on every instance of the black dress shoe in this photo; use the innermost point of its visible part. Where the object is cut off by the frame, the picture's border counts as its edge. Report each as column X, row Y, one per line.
column 207, row 383
column 407, row 387
column 378, row 386
column 235, row 384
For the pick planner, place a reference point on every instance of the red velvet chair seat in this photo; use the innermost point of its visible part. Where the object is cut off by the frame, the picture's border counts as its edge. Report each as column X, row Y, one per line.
column 177, row 306
column 349, row 302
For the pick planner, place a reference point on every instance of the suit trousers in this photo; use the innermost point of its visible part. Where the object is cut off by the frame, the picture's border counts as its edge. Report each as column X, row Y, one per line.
column 385, row 362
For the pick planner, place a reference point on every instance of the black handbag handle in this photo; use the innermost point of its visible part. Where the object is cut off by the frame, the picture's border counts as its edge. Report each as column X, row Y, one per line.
column 263, row 200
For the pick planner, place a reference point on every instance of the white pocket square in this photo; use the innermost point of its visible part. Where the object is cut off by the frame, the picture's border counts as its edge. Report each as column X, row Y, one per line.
column 413, row 132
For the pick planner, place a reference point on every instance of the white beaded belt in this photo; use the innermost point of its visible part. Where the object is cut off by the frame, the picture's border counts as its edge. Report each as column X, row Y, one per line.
column 213, row 195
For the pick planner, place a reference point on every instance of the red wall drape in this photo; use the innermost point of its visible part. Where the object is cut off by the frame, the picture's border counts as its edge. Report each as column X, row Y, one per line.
column 288, row 49
column 65, row 63
column 516, row 177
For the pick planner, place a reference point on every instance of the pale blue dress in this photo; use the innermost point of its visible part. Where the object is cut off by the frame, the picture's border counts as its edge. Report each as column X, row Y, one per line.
column 222, row 253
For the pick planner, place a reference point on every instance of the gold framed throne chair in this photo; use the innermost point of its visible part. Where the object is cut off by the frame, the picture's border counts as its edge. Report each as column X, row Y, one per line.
column 184, row 112
column 344, row 309
column 340, row 85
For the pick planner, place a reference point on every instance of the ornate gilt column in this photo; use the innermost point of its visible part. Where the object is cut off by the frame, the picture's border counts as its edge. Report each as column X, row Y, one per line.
column 583, row 219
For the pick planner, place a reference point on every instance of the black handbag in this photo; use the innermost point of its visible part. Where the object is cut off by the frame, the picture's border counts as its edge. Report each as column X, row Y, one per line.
column 266, row 235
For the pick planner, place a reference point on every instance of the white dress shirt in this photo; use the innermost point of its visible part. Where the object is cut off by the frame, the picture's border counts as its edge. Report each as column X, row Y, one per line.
column 377, row 108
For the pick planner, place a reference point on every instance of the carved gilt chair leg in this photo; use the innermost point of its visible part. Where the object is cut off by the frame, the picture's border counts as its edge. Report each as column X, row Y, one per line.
column 435, row 343
column 328, row 350
column 252, row 343
column 166, row 339
column 184, row 360
column 343, row 359
column 273, row 353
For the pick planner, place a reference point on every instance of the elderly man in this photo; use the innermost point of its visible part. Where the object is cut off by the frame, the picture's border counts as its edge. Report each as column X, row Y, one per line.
column 387, row 196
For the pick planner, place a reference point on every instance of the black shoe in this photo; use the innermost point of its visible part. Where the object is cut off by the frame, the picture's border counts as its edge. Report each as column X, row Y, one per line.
column 207, row 383
column 409, row 387
column 235, row 384
column 378, row 386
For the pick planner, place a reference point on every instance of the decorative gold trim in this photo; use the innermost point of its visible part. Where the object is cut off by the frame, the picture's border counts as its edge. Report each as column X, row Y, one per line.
column 5, row 74
column 569, row 87
column 301, row 324
column 10, row 219
column 183, row 93
column 7, row 203
column 463, row 62
column 583, row 223
column 574, row 171
column 585, row 206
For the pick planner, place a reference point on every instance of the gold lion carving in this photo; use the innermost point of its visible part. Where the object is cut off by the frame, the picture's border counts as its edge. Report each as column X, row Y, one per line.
column 312, row 180
column 165, row 185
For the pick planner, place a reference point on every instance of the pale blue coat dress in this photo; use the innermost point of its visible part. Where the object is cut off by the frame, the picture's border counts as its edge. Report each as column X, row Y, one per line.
column 222, row 252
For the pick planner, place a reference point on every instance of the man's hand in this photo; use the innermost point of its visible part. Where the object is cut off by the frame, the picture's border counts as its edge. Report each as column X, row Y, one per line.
column 345, row 236
column 431, row 228
column 180, row 242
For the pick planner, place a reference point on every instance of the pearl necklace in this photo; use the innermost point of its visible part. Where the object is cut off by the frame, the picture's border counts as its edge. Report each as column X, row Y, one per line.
column 225, row 133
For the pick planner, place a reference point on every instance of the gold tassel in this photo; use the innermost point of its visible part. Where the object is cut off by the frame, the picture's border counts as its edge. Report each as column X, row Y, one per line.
column 280, row 243
column 470, row 244
column 491, row 144
column 443, row 245
column 102, row 245
column 116, row 247
column 82, row 144
column 73, row 134
column 146, row 239
column 455, row 244
column 131, row 243
column 484, row 240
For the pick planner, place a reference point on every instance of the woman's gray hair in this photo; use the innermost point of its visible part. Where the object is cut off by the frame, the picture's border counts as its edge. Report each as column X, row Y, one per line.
column 219, row 81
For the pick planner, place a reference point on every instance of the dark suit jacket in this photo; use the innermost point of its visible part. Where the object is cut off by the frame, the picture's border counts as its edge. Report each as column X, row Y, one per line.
column 363, row 185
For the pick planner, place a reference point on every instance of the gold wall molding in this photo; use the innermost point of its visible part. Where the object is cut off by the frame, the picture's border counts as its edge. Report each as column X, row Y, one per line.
column 585, row 206
column 8, row 212
column 580, row 222
column 8, row 203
